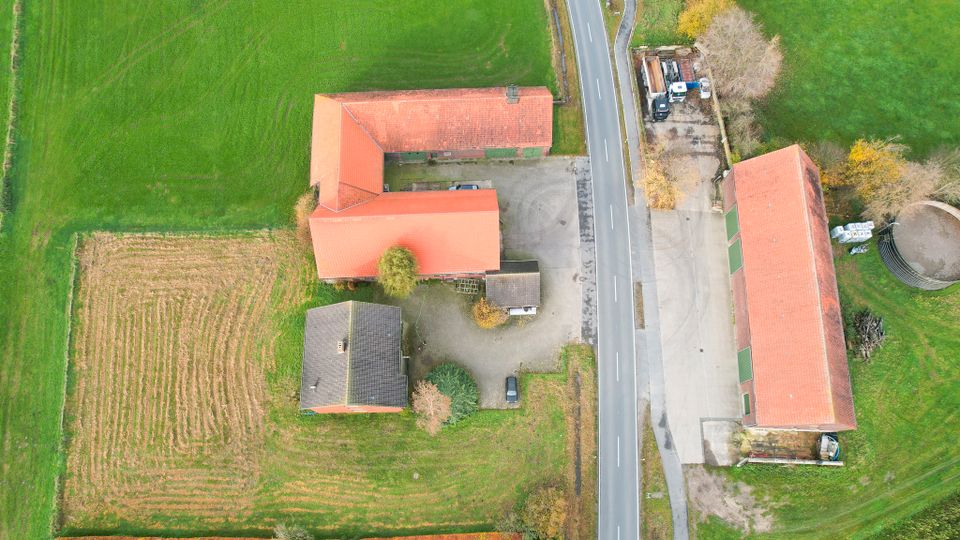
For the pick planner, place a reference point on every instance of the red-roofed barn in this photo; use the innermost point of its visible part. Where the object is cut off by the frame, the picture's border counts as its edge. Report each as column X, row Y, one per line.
column 451, row 233
column 789, row 331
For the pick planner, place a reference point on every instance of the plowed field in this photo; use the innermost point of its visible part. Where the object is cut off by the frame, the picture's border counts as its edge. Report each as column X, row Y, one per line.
column 172, row 341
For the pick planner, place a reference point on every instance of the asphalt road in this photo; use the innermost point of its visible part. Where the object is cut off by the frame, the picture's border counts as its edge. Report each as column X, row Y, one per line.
column 617, row 365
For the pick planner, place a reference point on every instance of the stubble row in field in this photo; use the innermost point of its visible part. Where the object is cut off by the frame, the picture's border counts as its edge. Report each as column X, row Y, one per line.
column 173, row 336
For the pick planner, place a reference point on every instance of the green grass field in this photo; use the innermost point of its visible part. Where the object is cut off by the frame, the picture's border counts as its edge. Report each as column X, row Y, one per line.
column 6, row 34
column 904, row 455
column 657, row 23
column 189, row 116
column 863, row 68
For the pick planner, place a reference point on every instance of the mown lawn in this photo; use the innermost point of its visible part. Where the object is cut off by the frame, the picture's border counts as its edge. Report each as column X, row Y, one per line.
column 904, row 456
column 865, row 68
column 177, row 116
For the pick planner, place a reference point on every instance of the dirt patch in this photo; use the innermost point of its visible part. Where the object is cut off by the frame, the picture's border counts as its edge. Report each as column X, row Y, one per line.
column 638, row 305
column 173, row 335
column 780, row 444
column 735, row 504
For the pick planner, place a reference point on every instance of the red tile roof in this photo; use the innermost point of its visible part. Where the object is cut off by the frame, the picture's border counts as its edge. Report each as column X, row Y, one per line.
column 456, row 119
column 345, row 160
column 449, row 232
column 419, row 121
column 800, row 373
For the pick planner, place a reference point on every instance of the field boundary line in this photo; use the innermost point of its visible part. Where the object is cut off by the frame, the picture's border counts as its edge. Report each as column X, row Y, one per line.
column 11, row 110
column 61, row 444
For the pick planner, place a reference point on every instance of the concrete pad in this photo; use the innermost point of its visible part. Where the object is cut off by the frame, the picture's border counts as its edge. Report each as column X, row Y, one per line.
column 538, row 213
column 696, row 324
column 693, row 291
column 720, row 447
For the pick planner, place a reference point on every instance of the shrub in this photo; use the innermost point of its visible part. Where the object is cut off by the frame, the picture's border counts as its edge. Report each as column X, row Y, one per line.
column 742, row 126
column 283, row 532
column 743, row 62
column 488, row 315
column 872, row 165
column 661, row 188
column 948, row 186
column 397, row 272
column 456, row 383
column 431, row 406
column 545, row 512
column 301, row 215
column 698, row 14
column 829, row 157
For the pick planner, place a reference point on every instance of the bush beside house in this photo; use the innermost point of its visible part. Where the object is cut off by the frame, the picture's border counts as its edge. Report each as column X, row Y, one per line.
column 456, row 383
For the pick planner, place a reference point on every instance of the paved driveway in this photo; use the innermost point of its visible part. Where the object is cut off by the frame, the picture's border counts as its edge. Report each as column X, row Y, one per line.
column 538, row 211
column 696, row 317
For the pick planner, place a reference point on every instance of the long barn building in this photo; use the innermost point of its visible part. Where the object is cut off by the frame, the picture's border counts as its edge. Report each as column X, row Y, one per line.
column 789, row 331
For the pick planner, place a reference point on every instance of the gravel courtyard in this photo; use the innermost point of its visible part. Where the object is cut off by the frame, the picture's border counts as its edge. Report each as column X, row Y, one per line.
column 538, row 214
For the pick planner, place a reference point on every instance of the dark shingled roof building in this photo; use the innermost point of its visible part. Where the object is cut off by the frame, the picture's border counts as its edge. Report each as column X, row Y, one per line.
column 352, row 361
column 515, row 286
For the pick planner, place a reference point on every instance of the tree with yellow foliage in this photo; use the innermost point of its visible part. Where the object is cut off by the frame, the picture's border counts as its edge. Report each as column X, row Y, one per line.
column 546, row 512
column 488, row 315
column 873, row 166
column 698, row 14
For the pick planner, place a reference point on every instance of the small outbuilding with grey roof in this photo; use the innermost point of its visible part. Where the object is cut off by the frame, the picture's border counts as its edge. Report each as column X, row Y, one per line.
column 515, row 287
column 352, row 362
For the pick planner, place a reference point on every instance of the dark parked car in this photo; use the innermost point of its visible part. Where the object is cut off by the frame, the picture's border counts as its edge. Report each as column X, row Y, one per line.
column 463, row 186
column 513, row 395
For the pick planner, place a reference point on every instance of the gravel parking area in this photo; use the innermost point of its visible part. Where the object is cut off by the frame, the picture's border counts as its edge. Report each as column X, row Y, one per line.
column 538, row 212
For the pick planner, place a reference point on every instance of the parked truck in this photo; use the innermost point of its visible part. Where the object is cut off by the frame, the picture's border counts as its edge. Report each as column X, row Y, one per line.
column 658, row 102
column 676, row 87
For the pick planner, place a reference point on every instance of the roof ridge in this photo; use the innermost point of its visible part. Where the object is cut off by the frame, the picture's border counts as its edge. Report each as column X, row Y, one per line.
column 349, row 352
column 425, row 95
column 808, row 230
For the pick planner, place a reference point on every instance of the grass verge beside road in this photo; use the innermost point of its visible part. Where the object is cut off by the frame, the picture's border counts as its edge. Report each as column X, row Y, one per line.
column 580, row 365
column 903, row 457
column 569, row 137
column 189, row 116
column 862, row 68
column 655, row 513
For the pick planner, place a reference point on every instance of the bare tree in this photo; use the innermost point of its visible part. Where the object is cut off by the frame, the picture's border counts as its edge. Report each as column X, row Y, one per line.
column 830, row 158
column 742, row 125
column 744, row 63
column 301, row 215
column 915, row 183
column 947, row 188
column 433, row 408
